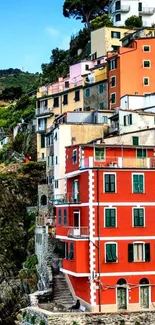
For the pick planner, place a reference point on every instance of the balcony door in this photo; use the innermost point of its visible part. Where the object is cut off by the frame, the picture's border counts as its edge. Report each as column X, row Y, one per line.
column 77, row 223
column 75, row 191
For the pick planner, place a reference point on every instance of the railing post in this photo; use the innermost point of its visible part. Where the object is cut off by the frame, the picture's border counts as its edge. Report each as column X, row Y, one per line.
column 147, row 162
column 120, row 162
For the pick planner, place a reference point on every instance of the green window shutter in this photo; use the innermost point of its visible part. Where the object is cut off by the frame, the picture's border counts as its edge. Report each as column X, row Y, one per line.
column 101, row 88
column 130, row 119
column 135, row 184
column 135, row 141
column 107, row 185
column 108, row 253
column 124, row 120
column 130, row 252
column 113, row 252
column 115, row 63
column 66, row 250
column 141, row 186
column 140, row 6
column 147, row 252
column 113, row 217
column 107, row 218
column 141, row 217
column 144, row 153
column 136, row 217
column 112, row 183
column 109, row 65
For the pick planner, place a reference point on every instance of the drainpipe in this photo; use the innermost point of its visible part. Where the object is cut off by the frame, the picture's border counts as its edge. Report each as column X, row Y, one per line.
column 98, row 224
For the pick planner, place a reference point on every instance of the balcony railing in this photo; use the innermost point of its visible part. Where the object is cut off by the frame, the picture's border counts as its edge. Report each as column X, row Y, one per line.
column 41, row 128
column 147, row 11
column 78, row 232
column 125, row 8
column 44, row 221
column 118, row 162
column 43, row 110
column 65, row 198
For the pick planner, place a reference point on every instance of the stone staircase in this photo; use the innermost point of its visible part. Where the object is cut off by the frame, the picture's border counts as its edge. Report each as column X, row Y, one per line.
column 62, row 294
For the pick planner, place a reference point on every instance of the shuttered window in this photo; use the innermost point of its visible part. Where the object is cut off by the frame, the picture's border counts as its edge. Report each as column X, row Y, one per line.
column 138, row 183
column 111, row 253
column 109, row 183
column 139, row 252
column 135, row 141
column 141, row 153
column 65, row 217
column 59, row 217
column 138, row 217
column 110, row 218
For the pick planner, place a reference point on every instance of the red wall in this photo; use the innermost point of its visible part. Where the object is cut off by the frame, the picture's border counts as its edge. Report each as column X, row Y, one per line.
column 80, row 263
column 81, row 287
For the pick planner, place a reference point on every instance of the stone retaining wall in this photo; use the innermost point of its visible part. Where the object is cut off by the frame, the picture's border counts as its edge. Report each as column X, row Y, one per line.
column 136, row 318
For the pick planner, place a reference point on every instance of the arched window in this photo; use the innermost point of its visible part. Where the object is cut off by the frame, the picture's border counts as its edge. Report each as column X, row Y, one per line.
column 121, row 294
column 43, row 200
column 144, row 281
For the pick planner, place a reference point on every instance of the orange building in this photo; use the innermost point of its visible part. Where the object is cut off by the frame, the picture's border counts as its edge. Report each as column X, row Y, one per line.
column 106, row 222
column 131, row 70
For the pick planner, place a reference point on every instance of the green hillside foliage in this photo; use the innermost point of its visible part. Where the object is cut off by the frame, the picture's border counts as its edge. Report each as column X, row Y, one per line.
column 17, row 78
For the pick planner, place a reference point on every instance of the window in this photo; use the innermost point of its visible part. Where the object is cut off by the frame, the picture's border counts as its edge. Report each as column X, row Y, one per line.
column 66, row 84
column 139, row 252
column 109, row 183
column 87, row 67
column 146, row 48
column 118, row 17
column 102, row 105
column 42, row 141
column 146, row 81
column 71, row 252
column 113, row 81
column 56, row 136
column 42, row 156
column 75, row 191
column 113, row 64
column 66, row 250
column 113, row 98
column 99, row 153
column 74, row 157
column 65, row 100
column 56, row 184
column 127, row 119
column 110, row 217
column 105, row 119
column 100, row 88
column 87, row 108
column 43, row 200
column 65, row 217
column 56, row 160
column 138, row 217
column 135, row 141
column 111, row 253
column 59, row 217
column 141, row 153
column 77, row 96
column 117, row 5
column 56, row 102
column 140, row 6
column 98, row 62
column 87, row 92
column 146, row 64
column 115, row 35
column 138, row 183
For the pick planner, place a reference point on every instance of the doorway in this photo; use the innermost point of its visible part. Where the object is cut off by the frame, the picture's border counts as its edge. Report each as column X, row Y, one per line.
column 121, row 294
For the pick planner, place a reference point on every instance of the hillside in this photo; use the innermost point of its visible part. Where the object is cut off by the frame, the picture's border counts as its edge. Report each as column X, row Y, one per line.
column 15, row 77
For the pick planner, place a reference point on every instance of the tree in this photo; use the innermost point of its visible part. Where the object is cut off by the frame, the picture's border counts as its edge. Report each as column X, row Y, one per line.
column 85, row 10
column 11, row 93
column 133, row 22
column 101, row 21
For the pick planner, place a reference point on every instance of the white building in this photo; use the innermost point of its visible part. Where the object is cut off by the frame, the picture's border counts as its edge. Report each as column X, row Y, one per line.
column 134, row 102
column 120, row 10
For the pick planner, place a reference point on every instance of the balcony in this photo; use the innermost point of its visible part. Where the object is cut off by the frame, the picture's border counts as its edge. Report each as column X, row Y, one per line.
column 41, row 128
column 78, row 232
column 147, row 11
column 124, row 8
column 118, row 162
column 43, row 111
column 65, row 198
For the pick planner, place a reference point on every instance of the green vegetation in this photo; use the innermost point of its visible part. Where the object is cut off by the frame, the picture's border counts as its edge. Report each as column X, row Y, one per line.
column 101, row 21
column 133, row 22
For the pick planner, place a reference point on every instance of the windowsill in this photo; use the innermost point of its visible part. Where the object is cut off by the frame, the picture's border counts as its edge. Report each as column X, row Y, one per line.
column 139, row 261
column 138, row 227
column 110, row 192
column 110, row 227
column 138, row 192
column 111, row 262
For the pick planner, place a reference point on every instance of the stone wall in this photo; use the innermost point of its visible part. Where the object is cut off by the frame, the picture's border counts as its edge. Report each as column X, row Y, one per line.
column 136, row 318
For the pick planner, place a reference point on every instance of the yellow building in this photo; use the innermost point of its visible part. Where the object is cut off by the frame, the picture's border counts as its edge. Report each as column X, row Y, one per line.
column 106, row 39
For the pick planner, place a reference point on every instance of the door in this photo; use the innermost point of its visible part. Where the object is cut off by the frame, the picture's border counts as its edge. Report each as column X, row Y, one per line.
column 122, row 298
column 144, row 297
column 75, row 191
column 76, row 223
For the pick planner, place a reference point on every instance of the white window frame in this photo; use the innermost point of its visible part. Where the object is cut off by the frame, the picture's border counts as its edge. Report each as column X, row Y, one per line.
column 111, row 81
column 149, row 48
column 106, row 208
column 110, row 173
column 75, row 150
column 133, row 208
column 104, row 155
column 147, row 67
column 136, row 243
column 148, row 81
column 107, row 243
column 111, row 98
column 143, row 182
column 111, row 69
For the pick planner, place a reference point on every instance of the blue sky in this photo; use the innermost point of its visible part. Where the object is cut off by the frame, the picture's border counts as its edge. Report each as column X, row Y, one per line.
column 30, row 29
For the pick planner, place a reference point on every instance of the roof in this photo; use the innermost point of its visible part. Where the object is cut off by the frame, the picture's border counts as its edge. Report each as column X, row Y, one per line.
column 131, row 132
column 105, row 145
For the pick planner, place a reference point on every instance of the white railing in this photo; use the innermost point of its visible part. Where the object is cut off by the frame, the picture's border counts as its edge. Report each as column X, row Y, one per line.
column 78, row 232
column 65, row 198
column 118, row 162
column 42, row 110
column 125, row 8
column 148, row 11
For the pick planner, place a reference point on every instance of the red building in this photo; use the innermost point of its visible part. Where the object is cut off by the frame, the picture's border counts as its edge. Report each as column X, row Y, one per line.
column 106, row 220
